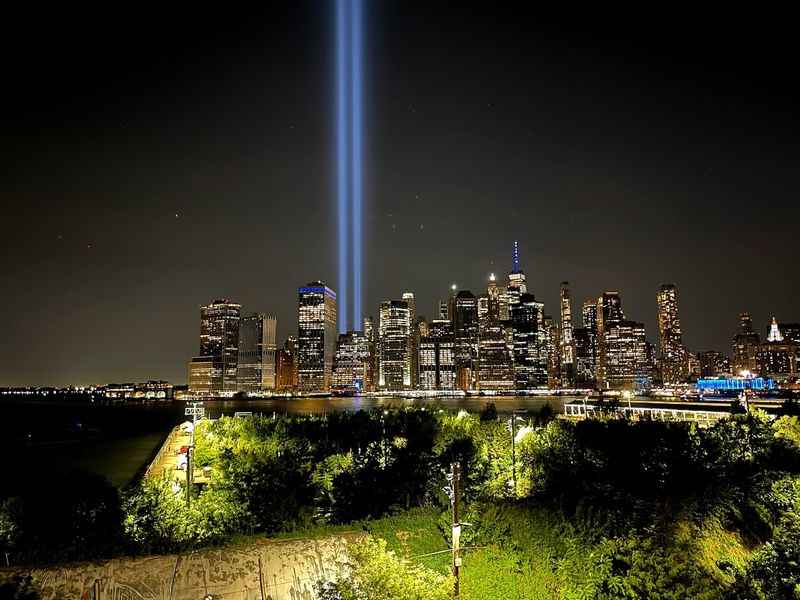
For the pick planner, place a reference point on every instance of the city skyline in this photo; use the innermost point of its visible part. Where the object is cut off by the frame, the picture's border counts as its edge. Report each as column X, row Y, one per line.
column 201, row 167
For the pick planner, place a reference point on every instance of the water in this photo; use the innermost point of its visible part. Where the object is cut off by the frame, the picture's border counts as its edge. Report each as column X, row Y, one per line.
column 324, row 405
column 117, row 441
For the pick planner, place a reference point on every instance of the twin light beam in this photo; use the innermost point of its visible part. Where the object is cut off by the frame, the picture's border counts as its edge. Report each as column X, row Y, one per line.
column 349, row 49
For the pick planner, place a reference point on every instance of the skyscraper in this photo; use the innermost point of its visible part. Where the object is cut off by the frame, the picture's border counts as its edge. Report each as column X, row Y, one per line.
column 530, row 356
column 627, row 358
column 566, row 341
column 608, row 312
column 256, row 365
column 316, row 336
column 437, row 370
column 552, row 344
column 589, row 314
column 369, row 335
column 624, row 360
column 516, row 280
column 465, row 328
column 395, row 345
column 408, row 298
column 584, row 357
column 745, row 346
column 777, row 357
column 673, row 354
column 351, row 363
column 713, row 364
column 495, row 359
column 214, row 370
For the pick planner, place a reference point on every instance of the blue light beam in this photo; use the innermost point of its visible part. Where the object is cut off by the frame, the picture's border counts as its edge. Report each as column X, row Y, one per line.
column 342, row 156
column 356, row 161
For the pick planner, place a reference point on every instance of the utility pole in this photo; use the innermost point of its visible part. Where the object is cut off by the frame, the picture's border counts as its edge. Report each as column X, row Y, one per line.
column 456, row 530
column 189, row 477
column 513, row 428
column 195, row 410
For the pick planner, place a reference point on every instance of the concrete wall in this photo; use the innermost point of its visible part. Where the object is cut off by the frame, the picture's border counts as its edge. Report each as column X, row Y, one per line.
column 262, row 570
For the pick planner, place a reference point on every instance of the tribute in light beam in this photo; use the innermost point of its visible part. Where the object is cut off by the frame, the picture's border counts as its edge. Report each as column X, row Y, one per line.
column 342, row 156
column 349, row 159
column 356, row 119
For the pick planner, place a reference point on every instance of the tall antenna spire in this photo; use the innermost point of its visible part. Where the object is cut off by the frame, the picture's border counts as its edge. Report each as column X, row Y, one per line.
column 515, row 265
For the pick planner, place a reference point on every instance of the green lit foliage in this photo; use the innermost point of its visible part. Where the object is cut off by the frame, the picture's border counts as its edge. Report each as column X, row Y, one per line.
column 378, row 574
column 157, row 518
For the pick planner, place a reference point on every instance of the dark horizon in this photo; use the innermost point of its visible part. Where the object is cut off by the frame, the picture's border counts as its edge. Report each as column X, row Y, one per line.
column 153, row 165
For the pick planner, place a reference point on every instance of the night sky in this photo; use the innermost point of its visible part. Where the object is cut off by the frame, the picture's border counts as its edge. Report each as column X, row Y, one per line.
column 155, row 161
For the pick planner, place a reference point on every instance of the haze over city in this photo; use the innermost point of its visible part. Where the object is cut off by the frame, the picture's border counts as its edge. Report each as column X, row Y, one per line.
column 147, row 179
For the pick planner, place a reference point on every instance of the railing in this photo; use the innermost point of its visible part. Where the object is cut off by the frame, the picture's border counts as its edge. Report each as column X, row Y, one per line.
column 164, row 448
column 590, row 411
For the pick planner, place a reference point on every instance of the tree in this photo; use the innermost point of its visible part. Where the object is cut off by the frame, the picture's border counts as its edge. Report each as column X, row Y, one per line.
column 378, row 574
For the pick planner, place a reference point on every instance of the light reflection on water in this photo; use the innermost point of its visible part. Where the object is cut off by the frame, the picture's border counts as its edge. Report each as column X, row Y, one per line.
column 323, row 405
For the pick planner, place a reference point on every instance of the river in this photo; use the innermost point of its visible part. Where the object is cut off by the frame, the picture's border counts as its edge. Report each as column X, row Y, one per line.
column 117, row 441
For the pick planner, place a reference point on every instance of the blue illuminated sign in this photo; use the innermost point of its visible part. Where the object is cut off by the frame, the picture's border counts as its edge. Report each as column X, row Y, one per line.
column 736, row 384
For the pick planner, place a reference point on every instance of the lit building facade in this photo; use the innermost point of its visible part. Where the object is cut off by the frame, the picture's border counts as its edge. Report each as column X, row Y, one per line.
column 584, row 357
column 257, row 348
column 608, row 313
column 437, row 365
column 316, row 336
column 745, row 346
column 369, row 334
column 713, row 364
column 395, row 345
column 566, row 341
column 628, row 359
column 466, row 330
column 408, row 298
column 672, row 353
column 214, row 370
column 777, row 357
column 351, row 364
column 552, row 343
column 530, row 355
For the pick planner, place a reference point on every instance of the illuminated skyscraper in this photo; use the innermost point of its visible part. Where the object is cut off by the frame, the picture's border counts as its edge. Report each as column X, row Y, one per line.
column 286, row 365
column 395, row 345
column 372, row 372
column 256, row 364
column 437, row 370
column 790, row 332
column 566, row 342
column 442, row 310
column 777, row 357
column 465, row 328
column 552, row 344
column 516, row 280
column 495, row 359
column 408, row 298
column 608, row 313
column 351, row 363
column 530, row 355
column 214, row 371
column 589, row 350
column 493, row 293
column 713, row 364
column 745, row 346
column 673, row 355
column 316, row 336
column 627, row 358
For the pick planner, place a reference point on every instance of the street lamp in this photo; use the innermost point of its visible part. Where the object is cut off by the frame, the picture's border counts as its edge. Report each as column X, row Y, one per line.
column 512, row 427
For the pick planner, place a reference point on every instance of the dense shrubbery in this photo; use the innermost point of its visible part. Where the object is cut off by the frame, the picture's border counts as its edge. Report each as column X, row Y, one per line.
column 602, row 508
